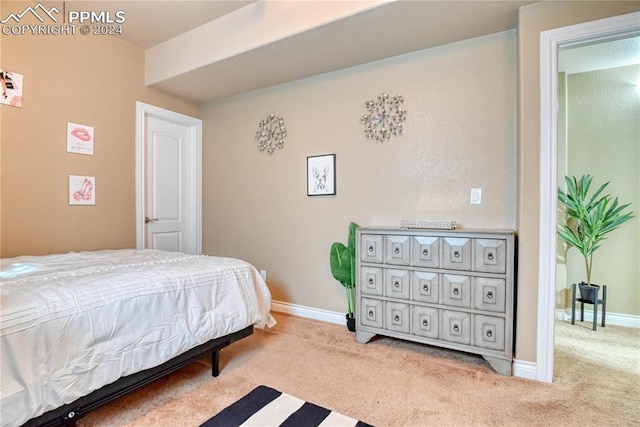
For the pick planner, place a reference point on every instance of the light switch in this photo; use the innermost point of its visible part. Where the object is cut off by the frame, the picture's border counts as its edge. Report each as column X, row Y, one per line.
column 476, row 196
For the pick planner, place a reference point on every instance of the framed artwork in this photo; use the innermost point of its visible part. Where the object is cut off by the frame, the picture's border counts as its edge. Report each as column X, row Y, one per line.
column 82, row 190
column 321, row 175
column 79, row 139
column 11, row 84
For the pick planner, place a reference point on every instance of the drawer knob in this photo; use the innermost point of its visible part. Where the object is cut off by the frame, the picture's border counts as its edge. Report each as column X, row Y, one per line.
column 456, row 254
column 489, row 333
column 425, row 287
column 396, row 250
column 456, row 291
column 456, row 328
column 490, row 256
column 370, row 249
column 490, row 294
column 370, row 281
column 370, row 314
column 396, row 318
column 396, row 284
column 425, row 252
column 425, row 322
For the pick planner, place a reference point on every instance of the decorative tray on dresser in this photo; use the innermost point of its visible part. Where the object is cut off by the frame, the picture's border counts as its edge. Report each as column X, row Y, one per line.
column 448, row 288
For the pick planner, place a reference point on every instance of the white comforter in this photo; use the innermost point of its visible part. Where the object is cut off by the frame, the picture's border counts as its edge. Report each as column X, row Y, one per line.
column 71, row 323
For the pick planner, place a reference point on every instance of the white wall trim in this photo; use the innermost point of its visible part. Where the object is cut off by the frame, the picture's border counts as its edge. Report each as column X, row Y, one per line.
column 308, row 312
column 524, row 369
column 615, row 319
column 521, row 369
column 195, row 127
column 550, row 42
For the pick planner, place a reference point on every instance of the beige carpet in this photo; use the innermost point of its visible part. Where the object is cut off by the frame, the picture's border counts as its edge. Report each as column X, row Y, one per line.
column 394, row 383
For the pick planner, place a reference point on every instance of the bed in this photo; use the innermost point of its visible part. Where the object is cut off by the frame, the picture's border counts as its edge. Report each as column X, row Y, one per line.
column 80, row 329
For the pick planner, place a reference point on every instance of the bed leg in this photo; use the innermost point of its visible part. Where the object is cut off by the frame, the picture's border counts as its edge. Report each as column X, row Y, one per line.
column 70, row 420
column 215, row 363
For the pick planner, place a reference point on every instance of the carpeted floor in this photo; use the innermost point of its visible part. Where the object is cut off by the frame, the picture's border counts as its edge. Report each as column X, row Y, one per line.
column 394, row 383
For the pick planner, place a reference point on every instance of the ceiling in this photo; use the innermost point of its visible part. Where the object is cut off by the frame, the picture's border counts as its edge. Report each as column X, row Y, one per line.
column 151, row 22
column 383, row 30
column 600, row 56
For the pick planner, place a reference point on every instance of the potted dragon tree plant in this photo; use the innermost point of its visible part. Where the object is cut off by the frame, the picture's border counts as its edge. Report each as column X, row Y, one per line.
column 589, row 218
column 343, row 268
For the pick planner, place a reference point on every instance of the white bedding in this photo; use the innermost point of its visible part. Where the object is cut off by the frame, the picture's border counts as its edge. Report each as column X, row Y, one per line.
column 71, row 323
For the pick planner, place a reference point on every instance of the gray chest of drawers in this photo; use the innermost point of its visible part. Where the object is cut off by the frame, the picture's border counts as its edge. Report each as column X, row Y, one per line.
column 452, row 289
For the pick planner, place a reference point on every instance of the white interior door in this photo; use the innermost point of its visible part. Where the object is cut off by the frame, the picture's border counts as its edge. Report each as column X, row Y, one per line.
column 169, row 180
column 168, row 192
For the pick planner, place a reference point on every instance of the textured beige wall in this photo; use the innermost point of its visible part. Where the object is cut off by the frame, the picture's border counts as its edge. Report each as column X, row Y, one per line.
column 532, row 20
column 461, row 103
column 91, row 80
column 604, row 141
column 460, row 133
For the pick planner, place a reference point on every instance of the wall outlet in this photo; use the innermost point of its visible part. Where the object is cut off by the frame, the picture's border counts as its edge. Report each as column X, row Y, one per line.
column 263, row 273
column 476, row 196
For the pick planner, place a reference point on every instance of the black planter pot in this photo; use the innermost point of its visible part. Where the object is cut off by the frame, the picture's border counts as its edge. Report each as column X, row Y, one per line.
column 351, row 322
column 588, row 293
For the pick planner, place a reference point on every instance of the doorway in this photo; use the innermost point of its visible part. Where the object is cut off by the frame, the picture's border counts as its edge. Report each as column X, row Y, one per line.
column 168, row 180
column 598, row 134
column 550, row 42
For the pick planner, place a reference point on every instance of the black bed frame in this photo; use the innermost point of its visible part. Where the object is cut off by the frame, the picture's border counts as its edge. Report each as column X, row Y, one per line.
column 69, row 414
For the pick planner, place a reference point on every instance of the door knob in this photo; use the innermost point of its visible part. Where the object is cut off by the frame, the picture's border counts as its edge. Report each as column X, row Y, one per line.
column 147, row 220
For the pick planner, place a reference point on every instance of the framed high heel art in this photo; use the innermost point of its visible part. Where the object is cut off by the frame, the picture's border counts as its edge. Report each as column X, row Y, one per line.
column 82, row 190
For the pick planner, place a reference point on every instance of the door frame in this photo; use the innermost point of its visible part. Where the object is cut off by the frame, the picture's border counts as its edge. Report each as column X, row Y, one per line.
column 195, row 184
column 550, row 42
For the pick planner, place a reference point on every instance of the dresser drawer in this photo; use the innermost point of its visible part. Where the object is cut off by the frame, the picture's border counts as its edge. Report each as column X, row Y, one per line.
column 425, row 286
column 371, row 312
column 489, row 255
column 455, row 326
column 456, row 290
column 456, row 253
column 396, row 250
column 396, row 316
column 371, row 282
column 489, row 294
column 488, row 332
column 424, row 321
column 371, row 248
column 397, row 283
column 425, row 251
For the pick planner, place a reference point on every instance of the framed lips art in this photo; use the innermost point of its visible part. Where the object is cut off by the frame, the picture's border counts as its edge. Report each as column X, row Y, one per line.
column 79, row 139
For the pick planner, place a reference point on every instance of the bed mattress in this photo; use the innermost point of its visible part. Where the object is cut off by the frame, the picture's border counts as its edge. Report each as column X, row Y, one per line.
column 72, row 323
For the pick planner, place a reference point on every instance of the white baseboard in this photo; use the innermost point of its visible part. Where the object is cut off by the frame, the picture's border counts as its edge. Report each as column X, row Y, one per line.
column 617, row 319
column 524, row 369
column 521, row 368
column 309, row 312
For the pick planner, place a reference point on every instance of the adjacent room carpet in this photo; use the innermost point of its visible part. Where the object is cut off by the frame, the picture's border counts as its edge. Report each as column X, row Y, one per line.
column 265, row 406
column 389, row 382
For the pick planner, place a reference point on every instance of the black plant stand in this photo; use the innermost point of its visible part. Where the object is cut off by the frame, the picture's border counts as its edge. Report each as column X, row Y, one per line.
column 595, row 303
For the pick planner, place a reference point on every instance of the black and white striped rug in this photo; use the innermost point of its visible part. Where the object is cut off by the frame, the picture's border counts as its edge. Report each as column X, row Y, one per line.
column 266, row 407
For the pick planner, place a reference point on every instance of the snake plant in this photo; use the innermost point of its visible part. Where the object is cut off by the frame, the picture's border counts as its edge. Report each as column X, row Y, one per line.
column 589, row 218
column 343, row 266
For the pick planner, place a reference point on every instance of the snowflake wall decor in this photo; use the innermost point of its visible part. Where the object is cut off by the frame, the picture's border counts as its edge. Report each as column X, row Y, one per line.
column 384, row 117
column 271, row 133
